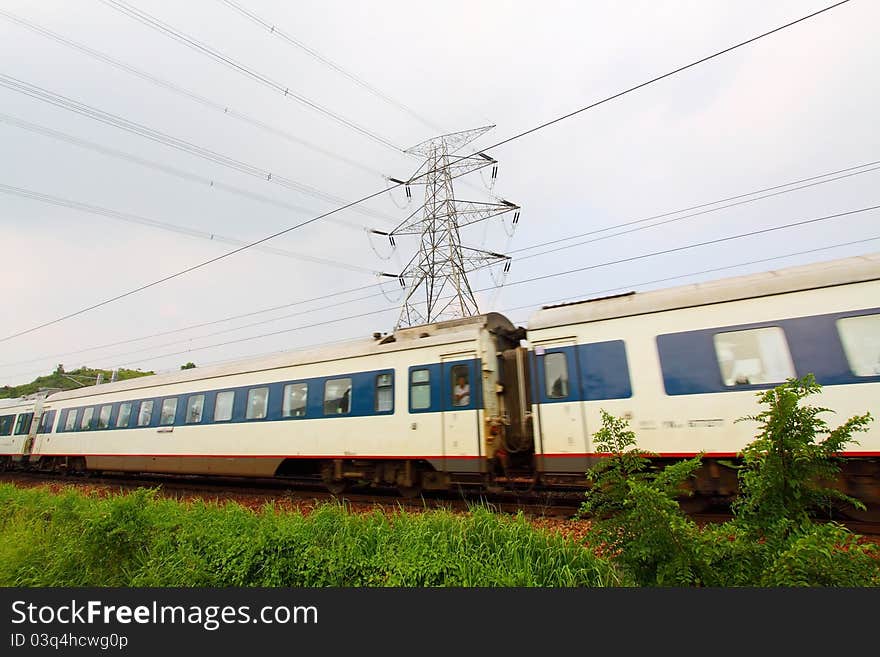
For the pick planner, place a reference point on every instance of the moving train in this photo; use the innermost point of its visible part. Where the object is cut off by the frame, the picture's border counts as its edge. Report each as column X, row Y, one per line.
column 481, row 402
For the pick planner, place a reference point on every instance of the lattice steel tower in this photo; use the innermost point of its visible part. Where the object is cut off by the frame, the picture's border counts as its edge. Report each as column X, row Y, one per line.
column 436, row 277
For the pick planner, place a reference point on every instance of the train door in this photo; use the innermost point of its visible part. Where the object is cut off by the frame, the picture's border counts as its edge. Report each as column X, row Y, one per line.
column 563, row 440
column 460, row 397
column 36, row 420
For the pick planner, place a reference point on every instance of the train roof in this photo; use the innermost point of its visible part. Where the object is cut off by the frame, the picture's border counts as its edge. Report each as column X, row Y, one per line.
column 426, row 335
column 10, row 403
column 791, row 279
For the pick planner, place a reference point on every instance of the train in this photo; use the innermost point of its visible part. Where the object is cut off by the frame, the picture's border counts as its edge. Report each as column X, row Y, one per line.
column 480, row 402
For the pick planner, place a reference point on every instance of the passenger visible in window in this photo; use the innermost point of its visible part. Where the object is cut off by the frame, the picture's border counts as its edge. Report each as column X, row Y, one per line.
column 461, row 393
column 345, row 402
column 559, row 388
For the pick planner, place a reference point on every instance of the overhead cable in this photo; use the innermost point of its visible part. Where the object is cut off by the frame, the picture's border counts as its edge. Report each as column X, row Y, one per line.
column 395, row 185
column 285, row 90
column 215, row 105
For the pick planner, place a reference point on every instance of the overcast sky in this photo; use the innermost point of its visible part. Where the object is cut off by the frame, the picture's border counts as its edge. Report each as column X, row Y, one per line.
column 801, row 103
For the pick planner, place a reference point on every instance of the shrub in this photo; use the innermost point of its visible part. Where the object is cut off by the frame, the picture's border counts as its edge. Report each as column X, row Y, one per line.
column 771, row 540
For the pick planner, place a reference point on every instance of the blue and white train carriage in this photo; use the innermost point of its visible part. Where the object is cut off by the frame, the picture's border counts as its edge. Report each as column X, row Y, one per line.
column 418, row 408
column 466, row 402
column 684, row 363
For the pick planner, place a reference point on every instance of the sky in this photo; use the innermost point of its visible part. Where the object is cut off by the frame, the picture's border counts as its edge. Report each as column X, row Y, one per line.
column 89, row 211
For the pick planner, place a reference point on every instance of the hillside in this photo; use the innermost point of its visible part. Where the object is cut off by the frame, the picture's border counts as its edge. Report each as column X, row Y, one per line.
column 59, row 379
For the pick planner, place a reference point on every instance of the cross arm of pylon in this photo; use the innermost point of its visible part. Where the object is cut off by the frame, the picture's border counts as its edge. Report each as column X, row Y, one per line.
column 452, row 141
column 465, row 213
column 456, row 169
column 474, row 259
column 411, row 225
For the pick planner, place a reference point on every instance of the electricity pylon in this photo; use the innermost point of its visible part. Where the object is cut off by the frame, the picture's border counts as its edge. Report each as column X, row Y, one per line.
column 436, row 277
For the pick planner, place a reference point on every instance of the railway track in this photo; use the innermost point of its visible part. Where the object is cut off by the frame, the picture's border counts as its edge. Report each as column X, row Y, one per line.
column 534, row 503
column 255, row 493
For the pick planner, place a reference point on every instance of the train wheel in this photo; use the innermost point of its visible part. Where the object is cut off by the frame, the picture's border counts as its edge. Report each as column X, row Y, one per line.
column 333, row 485
column 336, row 487
column 409, row 492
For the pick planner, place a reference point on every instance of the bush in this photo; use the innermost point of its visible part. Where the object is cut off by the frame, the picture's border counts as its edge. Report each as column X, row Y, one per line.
column 771, row 540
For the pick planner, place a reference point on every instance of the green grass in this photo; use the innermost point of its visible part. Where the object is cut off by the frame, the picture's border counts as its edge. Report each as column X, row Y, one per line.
column 138, row 539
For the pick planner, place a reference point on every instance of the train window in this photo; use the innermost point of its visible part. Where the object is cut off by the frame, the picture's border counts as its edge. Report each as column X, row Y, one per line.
column 87, row 415
column 124, row 415
column 145, row 415
column 754, row 356
column 295, row 397
column 223, row 406
column 555, row 375
column 46, row 422
column 104, row 416
column 337, row 396
column 384, row 393
column 70, row 422
column 6, row 422
column 23, row 425
column 861, row 343
column 420, row 389
column 461, row 385
column 169, row 410
column 195, row 405
column 257, row 402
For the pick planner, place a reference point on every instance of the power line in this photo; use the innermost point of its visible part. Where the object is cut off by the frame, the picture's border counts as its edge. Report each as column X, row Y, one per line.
column 237, row 328
column 706, row 205
column 183, row 230
column 547, row 276
column 662, row 77
column 290, row 330
column 173, row 171
column 192, row 268
column 698, row 244
column 217, row 106
column 278, row 32
column 687, row 216
column 588, row 295
column 342, row 292
column 180, row 144
column 395, row 185
column 609, row 290
column 150, row 21
column 200, row 325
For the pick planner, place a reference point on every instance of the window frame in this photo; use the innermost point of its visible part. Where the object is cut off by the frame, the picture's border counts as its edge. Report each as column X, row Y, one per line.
column 86, row 417
column 101, row 413
column 377, row 387
column 547, row 385
column 151, row 405
column 413, row 385
column 847, row 345
column 247, row 406
column 286, row 411
column 119, row 414
column 71, row 420
column 217, row 397
column 785, row 356
column 11, row 424
column 453, row 378
column 350, row 391
column 20, row 420
column 189, row 401
column 162, row 416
